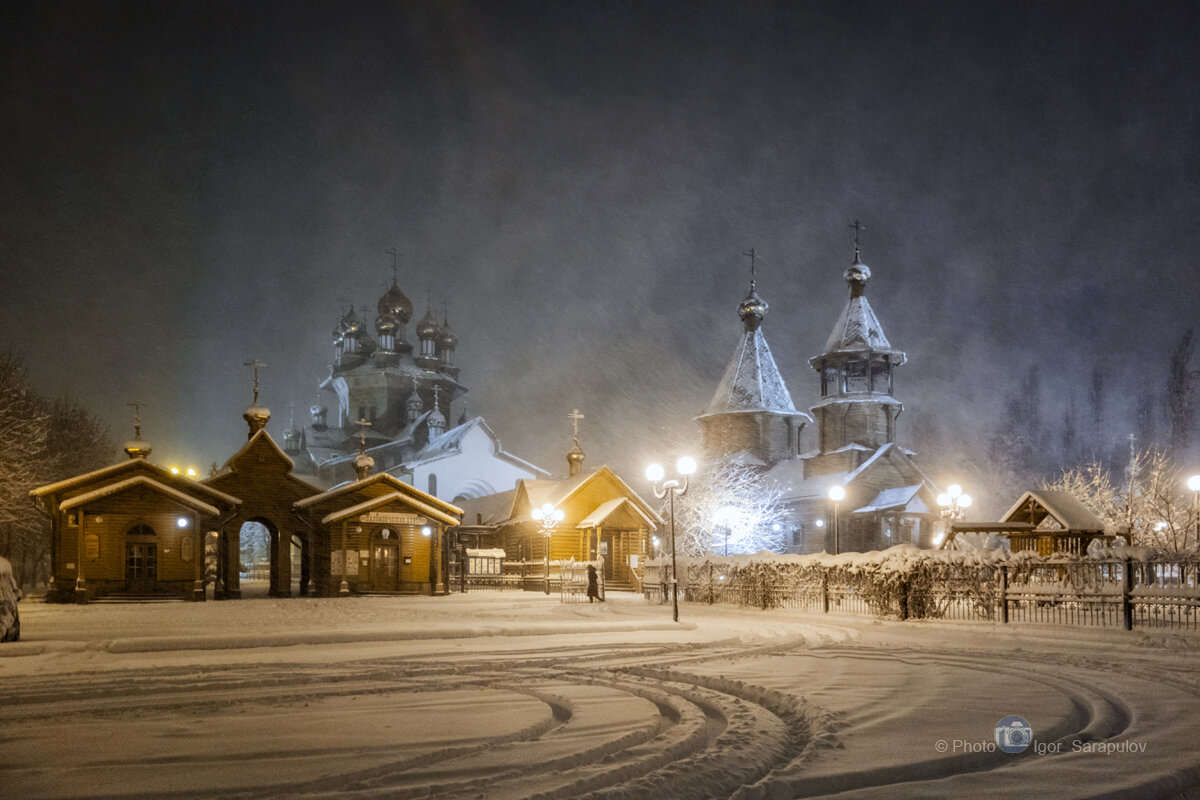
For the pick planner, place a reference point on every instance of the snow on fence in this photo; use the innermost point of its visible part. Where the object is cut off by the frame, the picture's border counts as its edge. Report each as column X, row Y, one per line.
column 1116, row 588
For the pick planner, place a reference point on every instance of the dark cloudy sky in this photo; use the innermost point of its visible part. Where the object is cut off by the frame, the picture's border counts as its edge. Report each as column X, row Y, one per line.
column 186, row 185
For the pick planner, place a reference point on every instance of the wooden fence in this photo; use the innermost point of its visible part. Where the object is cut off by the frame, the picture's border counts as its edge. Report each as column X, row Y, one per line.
column 1115, row 592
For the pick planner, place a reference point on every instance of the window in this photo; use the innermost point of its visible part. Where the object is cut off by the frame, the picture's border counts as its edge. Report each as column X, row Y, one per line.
column 856, row 377
column 433, row 484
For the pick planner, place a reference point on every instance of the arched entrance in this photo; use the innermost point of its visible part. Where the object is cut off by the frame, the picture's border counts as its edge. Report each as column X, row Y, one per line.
column 385, row 560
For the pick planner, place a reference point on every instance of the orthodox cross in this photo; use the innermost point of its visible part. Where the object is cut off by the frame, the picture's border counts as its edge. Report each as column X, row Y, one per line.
column 753, row 254
column 137, row 417
column 858, row 227
column 362, row 424
column 575, row 416
column 257, row 365
column 395, row 266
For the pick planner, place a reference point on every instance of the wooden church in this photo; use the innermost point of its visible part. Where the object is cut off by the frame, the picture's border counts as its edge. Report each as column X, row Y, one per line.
column 134, row 529
column 887, row 498
column 602, row 519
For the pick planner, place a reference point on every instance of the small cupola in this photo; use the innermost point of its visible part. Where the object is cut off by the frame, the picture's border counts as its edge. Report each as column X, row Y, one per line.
column 137, row 448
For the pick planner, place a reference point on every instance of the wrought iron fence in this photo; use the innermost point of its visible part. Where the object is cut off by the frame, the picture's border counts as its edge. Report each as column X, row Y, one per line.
column 1058, row 590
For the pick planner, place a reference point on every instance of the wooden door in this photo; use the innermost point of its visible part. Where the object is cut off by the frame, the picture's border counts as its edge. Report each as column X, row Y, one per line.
column 386, row 563
column 141, row 567
column 607, row 549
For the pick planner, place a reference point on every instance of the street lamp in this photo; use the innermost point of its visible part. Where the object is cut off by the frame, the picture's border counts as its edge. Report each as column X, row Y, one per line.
column 685, row 466
column 724, row 519
column 952, row 502
column 1193, row 483
column 837, row 494
column 547, row 516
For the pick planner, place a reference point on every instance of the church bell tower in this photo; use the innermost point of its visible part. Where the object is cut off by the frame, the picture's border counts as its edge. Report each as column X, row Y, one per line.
column 857, row 412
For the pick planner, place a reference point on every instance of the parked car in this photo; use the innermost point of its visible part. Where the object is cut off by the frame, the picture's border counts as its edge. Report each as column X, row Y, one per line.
column 10, row 594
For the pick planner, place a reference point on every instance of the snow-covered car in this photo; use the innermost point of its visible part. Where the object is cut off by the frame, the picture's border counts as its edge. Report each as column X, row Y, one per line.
column 10, row 594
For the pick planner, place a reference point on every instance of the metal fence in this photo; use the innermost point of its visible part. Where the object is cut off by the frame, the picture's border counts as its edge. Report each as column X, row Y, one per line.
column 1061, row 590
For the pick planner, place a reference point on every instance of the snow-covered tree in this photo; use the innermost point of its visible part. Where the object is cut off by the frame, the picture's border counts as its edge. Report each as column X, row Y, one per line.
column 41, row 441
column 1153, row 503
column 729, row 503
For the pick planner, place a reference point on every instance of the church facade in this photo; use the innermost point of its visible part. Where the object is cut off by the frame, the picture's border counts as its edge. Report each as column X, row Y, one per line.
column 887, row 499
column 401, row 398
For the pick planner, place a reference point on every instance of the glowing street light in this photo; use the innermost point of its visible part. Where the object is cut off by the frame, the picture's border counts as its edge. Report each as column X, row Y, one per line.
column 547, row 516
column 836, row 494
column 685, row 466
column 952, row 501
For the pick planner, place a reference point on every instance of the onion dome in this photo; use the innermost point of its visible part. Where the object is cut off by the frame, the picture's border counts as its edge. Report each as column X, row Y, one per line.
column 351, row 325
column 396, row 305
column 857, row 275
column 575, row 459
column 386, row 326
column 436, row 418
column 337, row 335
column 317, row 410
column 362, row 465
column 257, row 418
column 752, row 310
column 447, row 341
column 428, row 328
column 136, row 448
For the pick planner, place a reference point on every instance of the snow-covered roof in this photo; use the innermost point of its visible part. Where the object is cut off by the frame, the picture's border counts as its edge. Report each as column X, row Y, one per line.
column 1063, row 506
column 485, row 552
column 109, row 489
column 609, row 507
column 383, row 500
column 450, row 443
column 752, row 381
column 380, row 477
column 889, row 499
column 857, row 329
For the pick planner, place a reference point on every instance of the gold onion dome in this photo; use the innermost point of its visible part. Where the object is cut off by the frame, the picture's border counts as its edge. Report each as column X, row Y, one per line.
column 857, row 275
column 395, row 305
column 136, row 448
column 752, row 310
column 428, row 327
column 386, row 325
column 257, row 414
column 447, row 340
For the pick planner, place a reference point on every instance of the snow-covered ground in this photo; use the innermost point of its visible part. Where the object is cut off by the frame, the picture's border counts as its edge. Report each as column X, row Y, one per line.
column 518, row 695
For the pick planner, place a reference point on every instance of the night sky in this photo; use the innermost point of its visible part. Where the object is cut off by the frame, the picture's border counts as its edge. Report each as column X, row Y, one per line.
column 185, row 186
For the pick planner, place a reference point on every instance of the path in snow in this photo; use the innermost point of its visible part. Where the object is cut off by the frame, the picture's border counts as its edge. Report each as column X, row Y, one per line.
column 519, row 696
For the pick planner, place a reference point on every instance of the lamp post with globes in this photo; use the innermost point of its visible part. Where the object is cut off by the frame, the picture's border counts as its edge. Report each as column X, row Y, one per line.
column 952, row 501
column 671, row 487
column 547, row 516
column 836, row 494
column 1193, row 483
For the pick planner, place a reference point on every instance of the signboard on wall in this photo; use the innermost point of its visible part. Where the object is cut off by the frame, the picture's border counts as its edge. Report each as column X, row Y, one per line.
column 336, row 560
column 392, row 518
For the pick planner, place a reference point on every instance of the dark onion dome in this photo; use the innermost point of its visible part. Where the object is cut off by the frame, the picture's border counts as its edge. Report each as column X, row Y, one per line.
column 394, row 304
column 436, row 419
column 857, row 275
column 752, row 310
column 316, row 409
column 337, row 335
column 428, row 328
column 447, row 341
column 350, row 324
